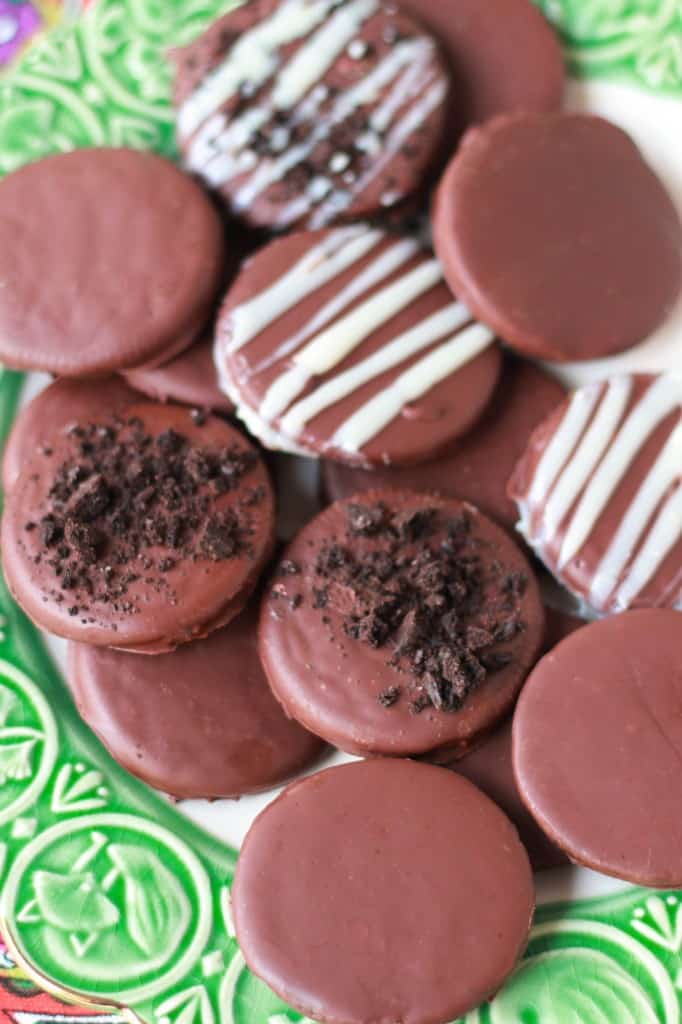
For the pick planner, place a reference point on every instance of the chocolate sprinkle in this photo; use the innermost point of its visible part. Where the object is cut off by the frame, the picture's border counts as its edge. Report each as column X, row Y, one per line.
column 128, row 503
column 422, row 588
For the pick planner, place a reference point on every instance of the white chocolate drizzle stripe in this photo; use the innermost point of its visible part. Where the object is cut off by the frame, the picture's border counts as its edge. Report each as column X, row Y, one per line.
column 327, row 349
column 555, row 455
column 316, row 267
column 371, row 418
column 593, row 444
column 381, row 267
column 363, row 93
column 315, row 57
column 665, row 533
column 392, row 354
column 659, row 400
column 664, row 473
column 412, row 120
column 253, row 58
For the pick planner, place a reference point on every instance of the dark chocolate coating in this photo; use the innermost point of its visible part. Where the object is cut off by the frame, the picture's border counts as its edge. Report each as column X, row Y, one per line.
column 382, row 891
column 597, row 746
column 208, row 593
column 114, row 262
column 377, row 167
column 61, row 405
column 490, row 768
column 198, row 722
column 422, row 426
column 613, row 523
column 190, row 378
column 503, row 56
column 331, row 683
column 476, row 468
column 556, row 233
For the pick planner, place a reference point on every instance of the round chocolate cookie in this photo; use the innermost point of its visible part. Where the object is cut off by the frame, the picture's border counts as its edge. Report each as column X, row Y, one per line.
column 115, row 262
column 190, row 378
column 488, row 76
column 489, row 767
column 384, row 890
column 348, row 343
column 534, row 223
column 477, row 467
column 599, row 491
column 198, row 722
column 597, row 746
column 60, row 406
column 398, row 623
column 304, row 113
column 140, row 532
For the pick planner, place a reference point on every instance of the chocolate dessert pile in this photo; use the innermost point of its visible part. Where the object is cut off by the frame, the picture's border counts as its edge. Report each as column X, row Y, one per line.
column 276, row 297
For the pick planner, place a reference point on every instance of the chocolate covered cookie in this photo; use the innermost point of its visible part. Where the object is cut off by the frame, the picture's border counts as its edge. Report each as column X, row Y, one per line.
column 397, row 623
column 190, row 378
column 558, row 235
column 382, row 891
column 198, row 722
column 60, row 406
column 482, row 42
column 304, row 113
column 348, row 343
column 475, row 468
column 597, row 746
column 139, row 532
column 115, row 262
column 599, row 492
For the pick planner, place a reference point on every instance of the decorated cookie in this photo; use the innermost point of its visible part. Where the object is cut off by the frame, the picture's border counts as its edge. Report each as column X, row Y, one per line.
column 599, row 492
column 139, row 533
column 114, row 262
column 61, row 405
column 198, row 722
column 357, row 900
column 190, row 378
column 349, row 344
column 534, row 223
column 597, row 746
column 489, row 766
column 397, row 623
column 494, row 70
column 304, row 112
column 475, row 468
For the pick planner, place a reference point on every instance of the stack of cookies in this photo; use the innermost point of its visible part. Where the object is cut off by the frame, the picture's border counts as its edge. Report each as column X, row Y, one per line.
column 280, row 294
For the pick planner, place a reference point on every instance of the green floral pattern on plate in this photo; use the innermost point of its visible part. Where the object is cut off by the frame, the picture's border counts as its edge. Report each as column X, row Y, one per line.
column 108, row 893
column 634, row 40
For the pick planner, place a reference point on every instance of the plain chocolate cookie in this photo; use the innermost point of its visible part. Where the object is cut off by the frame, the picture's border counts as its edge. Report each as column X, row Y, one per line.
column 198, row 722
column 358, row 900
column 115, row 261
column 597, row 746
column 557, row 234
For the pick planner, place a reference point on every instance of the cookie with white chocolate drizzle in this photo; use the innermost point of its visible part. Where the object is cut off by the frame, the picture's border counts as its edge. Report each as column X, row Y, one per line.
column 348, row 343
column 304, row 112
column 599, row 491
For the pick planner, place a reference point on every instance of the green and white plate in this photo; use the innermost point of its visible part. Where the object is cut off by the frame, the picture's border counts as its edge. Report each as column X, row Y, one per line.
column 112, row 896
